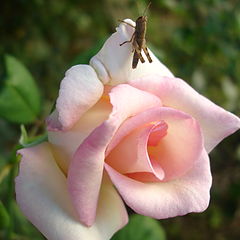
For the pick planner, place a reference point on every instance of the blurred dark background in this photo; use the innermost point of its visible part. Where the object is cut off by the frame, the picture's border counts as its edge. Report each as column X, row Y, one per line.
column 198, row 40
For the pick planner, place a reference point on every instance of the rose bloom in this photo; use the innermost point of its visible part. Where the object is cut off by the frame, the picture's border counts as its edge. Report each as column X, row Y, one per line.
column 119, row 134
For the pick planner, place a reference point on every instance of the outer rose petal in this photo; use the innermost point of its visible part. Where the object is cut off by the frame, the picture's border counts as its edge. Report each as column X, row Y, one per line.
column 189, row 193
column 65, row 143
column 85, row 171
column 79, row 91
column 113, row 62
column 43, row 197
column 216, row 123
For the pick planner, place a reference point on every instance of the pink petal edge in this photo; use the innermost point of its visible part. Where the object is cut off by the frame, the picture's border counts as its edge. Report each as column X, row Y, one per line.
column 216, row 123
column 189, row 193
column 80, row 89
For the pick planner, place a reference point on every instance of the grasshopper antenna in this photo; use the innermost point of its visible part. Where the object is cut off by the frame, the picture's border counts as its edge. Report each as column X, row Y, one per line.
column 146, row 8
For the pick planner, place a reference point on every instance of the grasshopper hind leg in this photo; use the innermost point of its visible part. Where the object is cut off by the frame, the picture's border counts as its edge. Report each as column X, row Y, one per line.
column 136, row 56
column 147, row 54
column 138, row 51
column 135, row 60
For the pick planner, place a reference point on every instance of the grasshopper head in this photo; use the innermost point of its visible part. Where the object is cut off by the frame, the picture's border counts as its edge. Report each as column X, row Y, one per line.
column 142, row 19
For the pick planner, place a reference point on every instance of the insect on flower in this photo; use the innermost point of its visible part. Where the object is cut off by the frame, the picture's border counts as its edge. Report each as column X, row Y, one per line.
column 138, row 39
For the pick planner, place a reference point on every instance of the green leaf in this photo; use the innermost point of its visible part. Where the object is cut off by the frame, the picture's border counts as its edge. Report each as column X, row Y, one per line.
column 4, row 171
column 4, row 217
column 24, row 136
column 27, row 141
column 141, row 228
column 19, row 96
column 85, row 56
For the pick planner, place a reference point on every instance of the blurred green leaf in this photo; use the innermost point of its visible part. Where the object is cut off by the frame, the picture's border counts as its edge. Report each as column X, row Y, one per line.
column 141, row 228
column 198, row 80
column 4, row 217
column 19, row 96
column 4, row 171
column 85, row 56
column 230, row 90
column 216, row 218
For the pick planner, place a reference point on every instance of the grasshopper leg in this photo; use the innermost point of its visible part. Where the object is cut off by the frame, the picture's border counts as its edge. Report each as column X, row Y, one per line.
column 135, row 60
column 138, row 51
column 128, row 40
column 147, row 54
column 137, row 55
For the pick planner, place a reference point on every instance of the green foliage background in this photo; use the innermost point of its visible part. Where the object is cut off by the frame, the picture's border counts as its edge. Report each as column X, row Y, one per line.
column 198, row 40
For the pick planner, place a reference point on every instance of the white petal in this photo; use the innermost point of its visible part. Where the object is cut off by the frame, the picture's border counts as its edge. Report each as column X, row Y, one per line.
column 79, row 91
column 113, row 63
column 42, row 195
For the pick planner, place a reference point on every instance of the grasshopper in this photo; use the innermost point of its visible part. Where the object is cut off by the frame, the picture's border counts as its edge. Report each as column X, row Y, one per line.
column 138, row 39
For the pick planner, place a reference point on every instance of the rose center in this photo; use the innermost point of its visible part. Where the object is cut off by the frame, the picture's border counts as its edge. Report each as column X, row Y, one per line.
column 157, row 133
column 131, row 154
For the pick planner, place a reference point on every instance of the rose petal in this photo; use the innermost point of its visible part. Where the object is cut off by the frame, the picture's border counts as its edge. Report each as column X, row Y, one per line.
column 85, row 171
column 42, row 195
column 215, row 122
column 189, row 193
column 65, row 143
column 113, row 62
column 80, row 90
column 131, row 153
column 175, row 153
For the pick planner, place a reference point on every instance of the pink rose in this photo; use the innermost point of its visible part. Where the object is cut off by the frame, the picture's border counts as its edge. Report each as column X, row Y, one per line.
column 142, row 131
